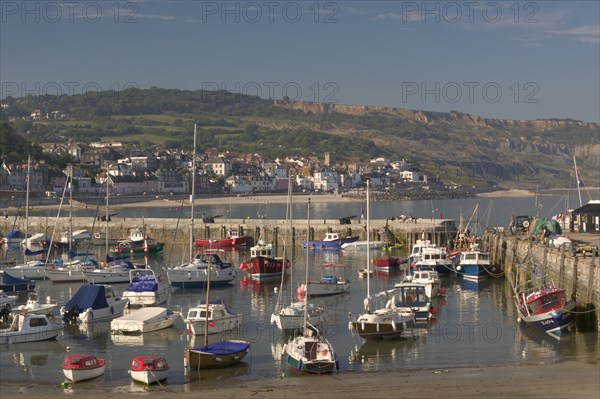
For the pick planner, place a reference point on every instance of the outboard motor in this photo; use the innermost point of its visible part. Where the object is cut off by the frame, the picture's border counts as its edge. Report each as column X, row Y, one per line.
column 70, row 316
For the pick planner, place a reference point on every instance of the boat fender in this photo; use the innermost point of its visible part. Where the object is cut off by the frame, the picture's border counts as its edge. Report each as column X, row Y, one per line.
column 299, row 364
column 91, row 315
column 337, row 365
column 377, row 327
column 393, row 325
column 112, row 310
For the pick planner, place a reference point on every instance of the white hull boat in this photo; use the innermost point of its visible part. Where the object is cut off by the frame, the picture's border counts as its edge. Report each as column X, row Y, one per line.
column 144, row 320
column 83, row 367
column 148, row 369
column 29, row 328
column 92, row 303
column 146, row 288
column 220, row 318
column 35, row 306
column 292, row 317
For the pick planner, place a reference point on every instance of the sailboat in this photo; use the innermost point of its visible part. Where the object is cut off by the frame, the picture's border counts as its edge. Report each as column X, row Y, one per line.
column 310, row 352
column 219, row 354
column 38, row 240
column 202, row 268
column 291, row 317
column 380, row 322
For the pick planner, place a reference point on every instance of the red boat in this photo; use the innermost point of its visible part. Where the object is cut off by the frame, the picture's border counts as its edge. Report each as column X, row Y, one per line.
column 83, row 367
column 263, row 263
column 148, row 369
column 233, row 240
column 387, row 263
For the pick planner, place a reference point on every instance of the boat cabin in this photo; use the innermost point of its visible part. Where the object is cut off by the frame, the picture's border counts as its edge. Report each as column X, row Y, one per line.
column 142, row 363
column 411, row 295
column 332, row 237
column 82, row 362
column 544, row 301
column 262, row 249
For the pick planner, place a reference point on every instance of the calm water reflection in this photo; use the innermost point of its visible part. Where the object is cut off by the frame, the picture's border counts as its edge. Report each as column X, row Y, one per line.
column 476, row 325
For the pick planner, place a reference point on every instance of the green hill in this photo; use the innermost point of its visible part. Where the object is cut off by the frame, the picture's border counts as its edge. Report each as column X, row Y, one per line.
column 457, row 147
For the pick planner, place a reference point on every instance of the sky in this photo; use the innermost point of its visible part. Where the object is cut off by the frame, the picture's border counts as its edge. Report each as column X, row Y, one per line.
column 496, row 59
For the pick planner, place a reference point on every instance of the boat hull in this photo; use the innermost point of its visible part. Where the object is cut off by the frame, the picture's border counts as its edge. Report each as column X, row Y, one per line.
column 329, row 244
column 199, row 358
column 33, row 336
column 186, row 278
column 222, row 243
column 65, row 276
column 319, row 288
column 149, row 376
column 554, row 323
column 83, row 375
column 310, row 355
column 148, row 298
column 197, row 327
column 473, row 272
column 262, row 267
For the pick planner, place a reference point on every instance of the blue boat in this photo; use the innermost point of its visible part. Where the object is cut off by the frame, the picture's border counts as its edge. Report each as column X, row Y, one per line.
column 15, row 284
column 475, row 265
column 217, row 355
column 331, row 241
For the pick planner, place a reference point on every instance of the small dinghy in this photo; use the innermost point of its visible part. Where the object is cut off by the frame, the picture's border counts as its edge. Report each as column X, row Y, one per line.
column 148, row 369
column 83, row 367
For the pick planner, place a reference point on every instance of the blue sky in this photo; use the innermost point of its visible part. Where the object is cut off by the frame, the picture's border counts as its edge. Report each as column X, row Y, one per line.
column 514, row 60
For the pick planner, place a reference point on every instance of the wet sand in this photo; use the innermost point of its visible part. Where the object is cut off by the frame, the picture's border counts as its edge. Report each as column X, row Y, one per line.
column 559, row 380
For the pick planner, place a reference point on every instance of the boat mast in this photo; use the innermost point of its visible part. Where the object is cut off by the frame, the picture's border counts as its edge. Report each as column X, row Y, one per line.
column 578, row 182
column 288, row 215
column 207, row 301
column 306, row 270
column 106, row 225
column 27, row 200
column 368, row 243
column 192, row 200
column 70, row 179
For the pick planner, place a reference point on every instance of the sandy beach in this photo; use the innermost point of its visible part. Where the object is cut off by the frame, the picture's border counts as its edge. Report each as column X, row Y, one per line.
column 547, row 381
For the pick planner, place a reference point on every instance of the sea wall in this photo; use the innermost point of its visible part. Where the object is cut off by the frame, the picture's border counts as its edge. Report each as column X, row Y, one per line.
column 578, row 273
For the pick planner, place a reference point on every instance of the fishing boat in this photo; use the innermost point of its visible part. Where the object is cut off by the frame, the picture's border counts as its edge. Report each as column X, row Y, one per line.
column 379, row 321
column 475, row 265
column 543, row 306
column 35, row 306
column 233, row 239
column 146, row 288
column 144, row 320
column 29, row 327
column 263, row 263
column 436, row 257
column 331, row 241
column 387, row 263
column 310, row 352
column 417, row 249
column 148, row 369
column 428, row 278
column 83, row 367
column 92, row 303
column 203, row 268
column 413, row 295
column 15, row 284
column 329, row 284
column 220, row 318
column 138, row 243
column 220, row 354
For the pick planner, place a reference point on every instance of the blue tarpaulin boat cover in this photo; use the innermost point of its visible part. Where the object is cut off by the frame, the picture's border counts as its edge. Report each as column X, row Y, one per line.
column 32, row 253
column 88, row 296
column 10, row 280
column 14, row 235
column 143, row 284
column 223, row 347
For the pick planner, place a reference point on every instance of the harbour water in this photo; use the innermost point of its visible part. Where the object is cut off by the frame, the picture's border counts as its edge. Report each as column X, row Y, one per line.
column 476, row 322
column 476, row 325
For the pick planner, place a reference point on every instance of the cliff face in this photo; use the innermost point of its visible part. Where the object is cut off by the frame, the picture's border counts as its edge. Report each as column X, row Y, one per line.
column 457, row 119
